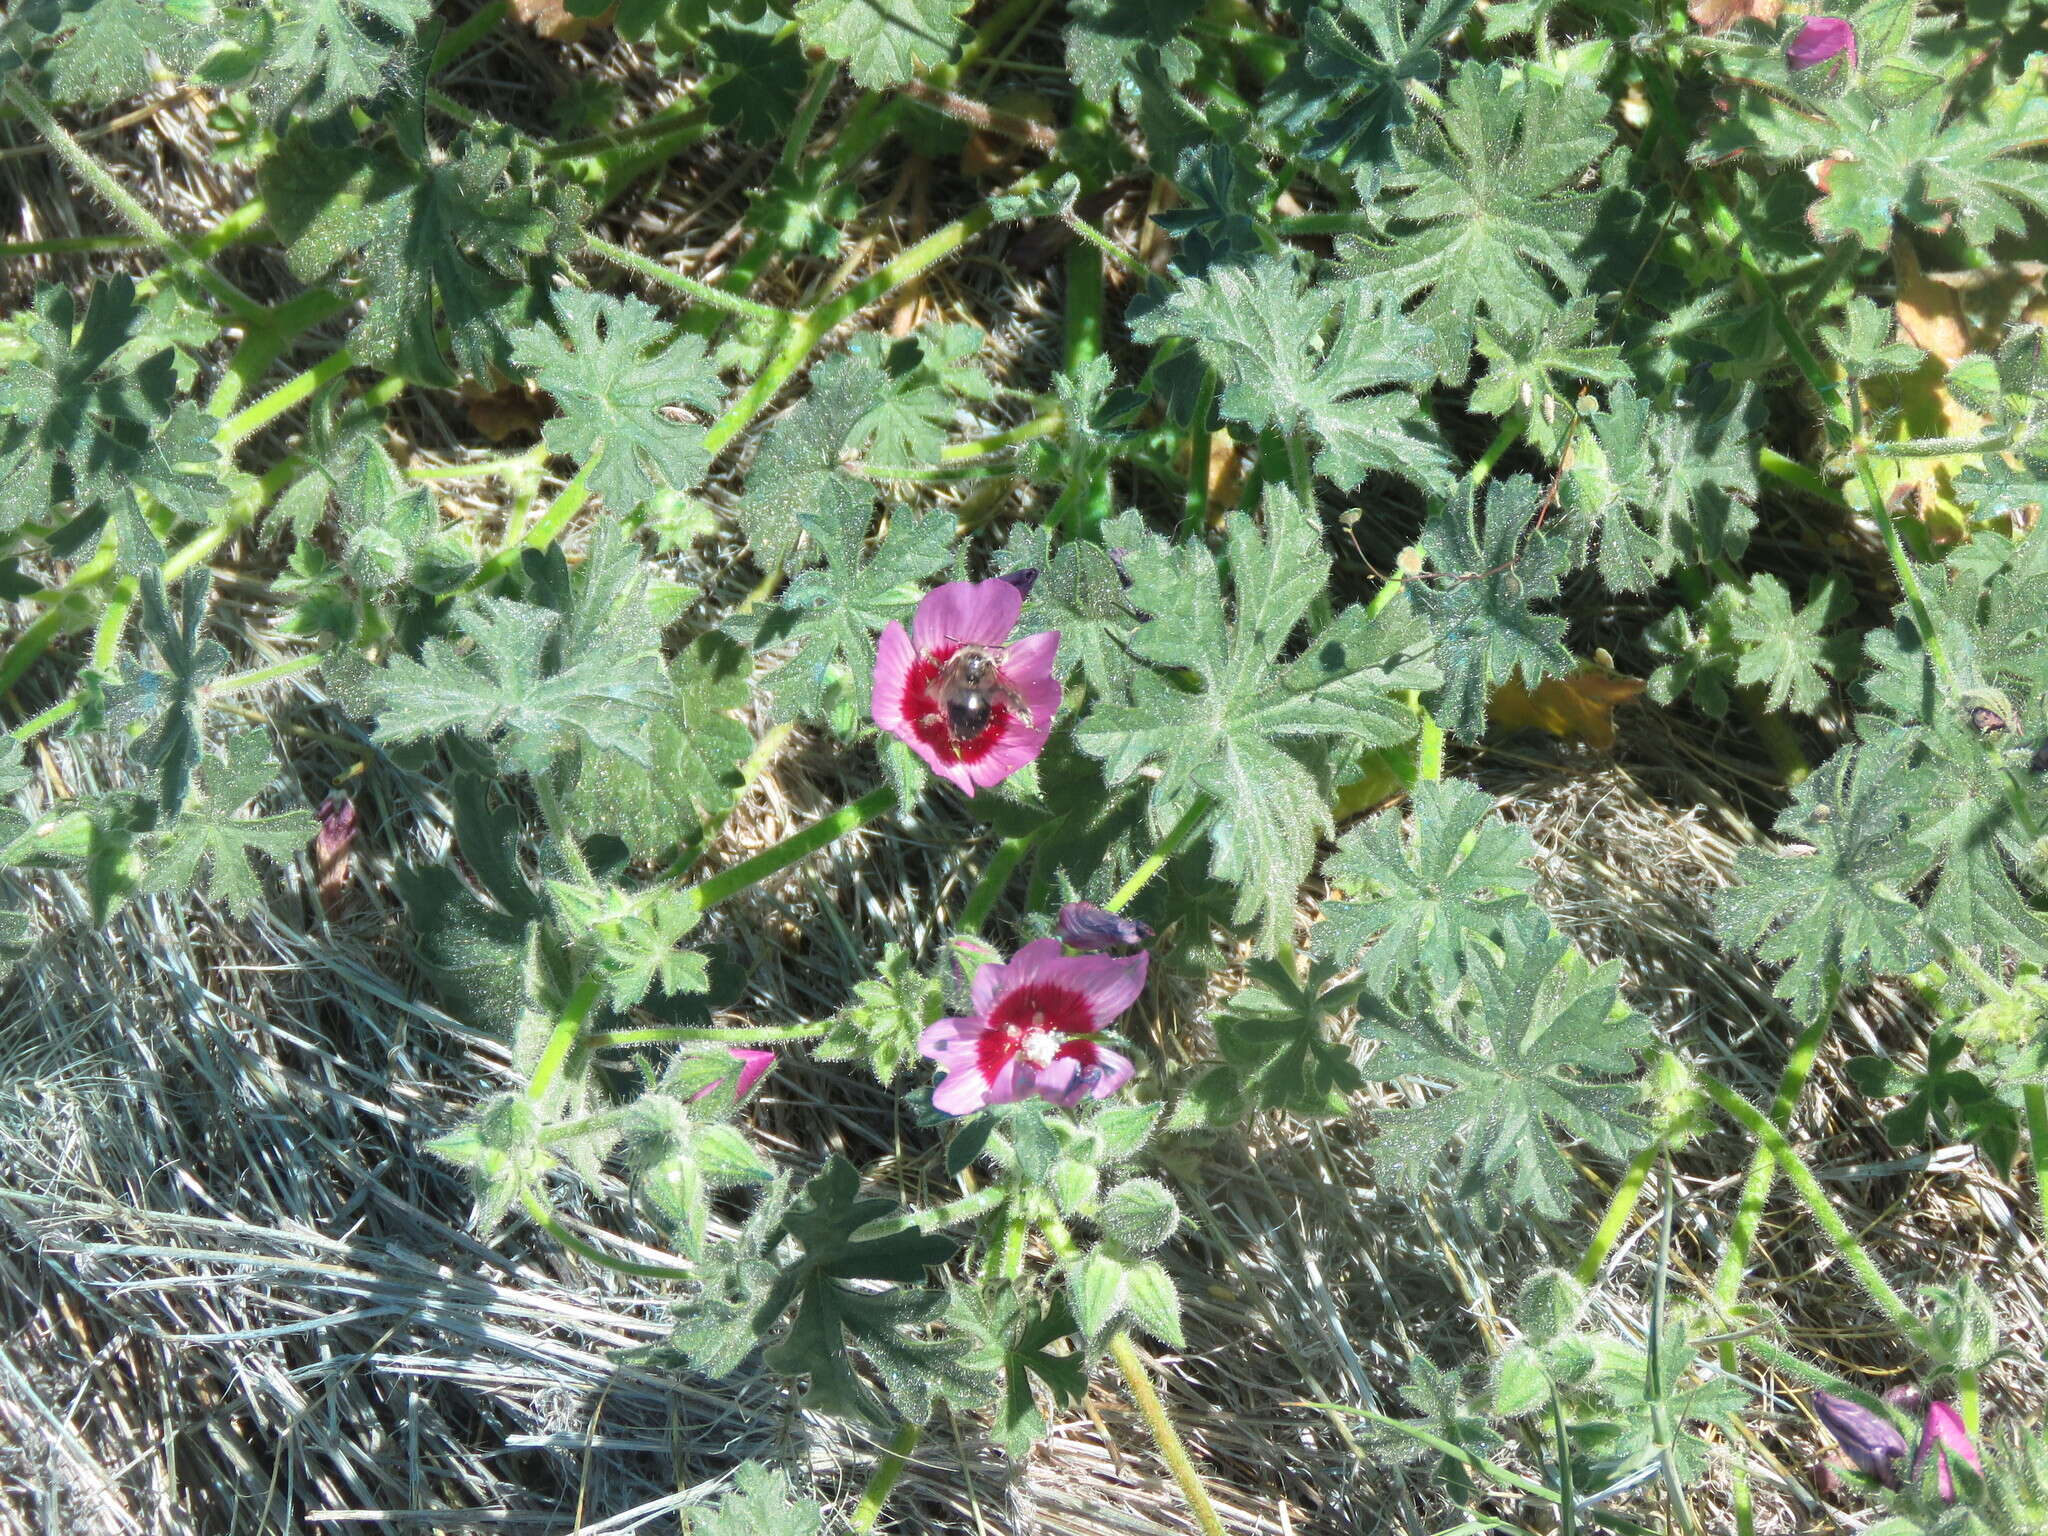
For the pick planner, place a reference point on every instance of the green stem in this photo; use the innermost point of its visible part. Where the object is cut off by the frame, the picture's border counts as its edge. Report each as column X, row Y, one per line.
column 545, row 529
column 997, row 442
column 261, row 675
column 124, row 202
column 1620, row 1206
column 550, row 1223
column 707, row 1034
column 31, row 728
column 459, row 40
column 1169, row 845
column 1104, row 244
column 792, row 849
column 1510, row 432
column 2036, row 1098
column 263, row 344
column 556, row 815
column 1195, row 509
column 690, row 287
column 882, row 1481
column 1165, row 1434
column 568, row 1029
column 293, row 392
column 885, row 280
column 989, row 888
column 1823, row 1212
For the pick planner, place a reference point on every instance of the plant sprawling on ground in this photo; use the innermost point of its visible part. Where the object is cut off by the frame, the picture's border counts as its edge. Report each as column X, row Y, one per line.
column 1463, row 336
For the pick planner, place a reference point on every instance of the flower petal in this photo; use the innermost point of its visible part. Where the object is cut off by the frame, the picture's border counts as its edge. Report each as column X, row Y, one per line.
column 1018, row 745
column 949, row 1036
column 893, row 657
column 1086, row 927
column 967, row 613
column 961, row 1093
column 1036, row 961
column 1113, row 1069
column 754, row 1066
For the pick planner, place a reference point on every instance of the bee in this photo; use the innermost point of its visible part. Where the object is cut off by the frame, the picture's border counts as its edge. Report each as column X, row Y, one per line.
column 967, row 690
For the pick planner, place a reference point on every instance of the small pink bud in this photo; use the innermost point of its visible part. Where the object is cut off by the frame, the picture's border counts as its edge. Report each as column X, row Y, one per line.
column 754, row 1065
column 1819, row 39
column 1943, row 1433
column 338, row 824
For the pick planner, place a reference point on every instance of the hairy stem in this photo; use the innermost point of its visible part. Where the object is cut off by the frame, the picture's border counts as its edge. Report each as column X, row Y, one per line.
column 568, row 1030
column 1169, row 845
column 1837, row 1232
column 708, row 1034
column 1620, row 1206
column 792, row 849
column 988, row 890
column 689, row 287
column 553, row 1225
column 882, row 1481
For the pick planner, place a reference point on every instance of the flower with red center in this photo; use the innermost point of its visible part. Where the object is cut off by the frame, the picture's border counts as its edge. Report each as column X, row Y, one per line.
column 971, row 702
column 1819, row 39
column 1033, row 1031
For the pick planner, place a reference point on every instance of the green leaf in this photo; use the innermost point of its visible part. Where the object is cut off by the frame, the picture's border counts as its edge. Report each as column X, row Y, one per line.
column 169, row 696
column 1141, row 1214
column 89, row 410
column 883, row 43
column 760, row 1503
column 533, row 683
column 210, row 833
column 1492, row 214
column 1154, row 1302
column 797, row 478
column 1418, row 893
column 1012, row 1336
column 1833, row 910
column 104, row 49
column 1260, row 735
column 1657, row 485
column 615, row 368
column 1096, row 1285
column 695, row 746
column 1530, row 1047
column 1526, row 366
column 327, row 54
column 1362, row 57
column 880, row 1027
column 1224, row 192
column 1105, row 38
column 833, row 614
column 500, row 1147
column 1310, row 361
column 1863, row 344
column 461, row 241
column 679, row 1160
column 834, row 1313
column 1791, row 654
column 758, row 100
column 1480, row 607
column 924, row 378
column 1944, row 1104
column 1275, row 1039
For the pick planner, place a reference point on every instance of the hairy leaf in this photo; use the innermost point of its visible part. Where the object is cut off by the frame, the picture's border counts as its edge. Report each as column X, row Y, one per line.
column 1490, row 564
column 880, row 1027
column 1532, row 1046
column 1278, row 1052
column 1791, row 654
column 1259, row 733
column 883, row 43
column 1834, row 910
column 209, row 832
column 1417, row 893
column 1310, row 360
column 1491, row 217
column 614, row 367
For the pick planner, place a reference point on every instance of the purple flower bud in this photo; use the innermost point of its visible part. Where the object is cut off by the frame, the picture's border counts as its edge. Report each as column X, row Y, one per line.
column 1089, row 928
column 1943, row 1433
column 1023, row 580
column 754, row 1065
column 1819, row 39
column 1870, row 1439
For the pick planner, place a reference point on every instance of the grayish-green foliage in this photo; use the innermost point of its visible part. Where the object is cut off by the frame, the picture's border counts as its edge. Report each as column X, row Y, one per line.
column 1490, row 564
column 209, row 832
column 614, row 368
column 1532, row 1045
column 1280, row 1046
column 759, row 1504
column 1310, row 359
column 1491, row 215
column 883, row 43
column 1418, row 891
column 880, row 1027
column 1265, row 724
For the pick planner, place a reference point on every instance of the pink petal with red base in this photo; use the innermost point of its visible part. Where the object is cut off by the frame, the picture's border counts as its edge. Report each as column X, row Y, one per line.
column 966, row 613
column 1106, row 985
column 894, row 657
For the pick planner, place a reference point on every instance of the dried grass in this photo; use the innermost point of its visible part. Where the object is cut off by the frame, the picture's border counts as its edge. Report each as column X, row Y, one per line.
column 238, row 1297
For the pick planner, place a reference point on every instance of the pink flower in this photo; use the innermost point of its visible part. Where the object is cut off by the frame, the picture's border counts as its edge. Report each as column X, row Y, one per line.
column 754, row 1066
column 1032, row 1031
column 1943, row 1433
column 965, row 698
column 1819, row 39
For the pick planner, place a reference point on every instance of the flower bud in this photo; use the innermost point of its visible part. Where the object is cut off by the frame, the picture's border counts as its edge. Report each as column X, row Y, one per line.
column 1090, row 929
column 1870, row 1439
column 1943, row 1433
column 1819, row 39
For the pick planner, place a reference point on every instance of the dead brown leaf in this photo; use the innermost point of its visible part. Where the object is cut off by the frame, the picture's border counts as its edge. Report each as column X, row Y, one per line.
column 1577, row 708
column 1712, row 16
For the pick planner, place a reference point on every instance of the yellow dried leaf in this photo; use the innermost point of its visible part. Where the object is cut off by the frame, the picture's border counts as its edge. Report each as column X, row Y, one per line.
column 1578, row 708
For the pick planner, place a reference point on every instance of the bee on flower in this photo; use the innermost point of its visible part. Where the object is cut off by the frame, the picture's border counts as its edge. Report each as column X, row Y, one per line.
column 959, row 692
